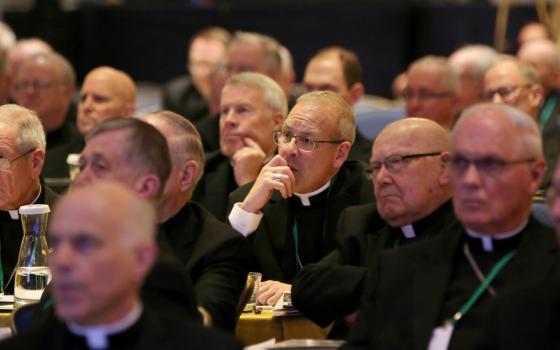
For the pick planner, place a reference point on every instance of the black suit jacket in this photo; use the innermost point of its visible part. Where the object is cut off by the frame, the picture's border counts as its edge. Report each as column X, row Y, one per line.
column 332, row 288
column 216, row 258
column 409, row 284
column 361, row 149
column 525, row 319
column 215, row 186
column 181, row 96
column 60, row 143
column 350, row 187
column 152, row 331
column 209, row 130
column 551, row 140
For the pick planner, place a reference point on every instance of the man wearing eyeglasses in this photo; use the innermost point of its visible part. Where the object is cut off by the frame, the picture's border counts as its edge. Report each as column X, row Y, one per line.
column 252, row 105
column 22, row 154
column 517, row 84
column 290, row 212
column 436, row 294
column 45, row 84
column 409, row 208
column 432, row 90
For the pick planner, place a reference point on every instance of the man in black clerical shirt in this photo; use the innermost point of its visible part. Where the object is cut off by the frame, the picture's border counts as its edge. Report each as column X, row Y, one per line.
column 103, row 246
column 252, row 106
column 425, row 295
column 290, row 211
column 408, row 208
column 22, row 155
column 215, row 256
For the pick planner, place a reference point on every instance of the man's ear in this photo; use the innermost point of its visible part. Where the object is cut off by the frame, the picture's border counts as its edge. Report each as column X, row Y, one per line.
column 342, row 152
column 129, row 109
column 187, row 175
column 278, row 120
column 444, row 178
column 37, row 162
column 145, row 256
column 357, row 90
column 536, row 95
column 537, row 174
column 148, row 186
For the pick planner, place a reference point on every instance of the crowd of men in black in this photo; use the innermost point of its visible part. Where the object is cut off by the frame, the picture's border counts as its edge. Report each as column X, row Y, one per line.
column 437, row 234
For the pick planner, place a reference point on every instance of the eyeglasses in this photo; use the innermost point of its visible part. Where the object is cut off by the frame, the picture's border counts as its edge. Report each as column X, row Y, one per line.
column 504, row 92
column 5, row 163
column 489, row 165
column 38, row 85
column 424, row 95
column 395, row 163
column 303, row 143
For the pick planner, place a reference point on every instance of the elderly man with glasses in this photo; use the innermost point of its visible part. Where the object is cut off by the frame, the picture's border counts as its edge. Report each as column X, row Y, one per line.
column 409, row 208
column 22, row 155
column 436, row 294
column 290, row 212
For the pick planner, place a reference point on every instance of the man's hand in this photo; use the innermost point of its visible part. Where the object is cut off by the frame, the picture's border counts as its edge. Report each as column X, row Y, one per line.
column 271, row 291
column 276, row 175
column 247, row 162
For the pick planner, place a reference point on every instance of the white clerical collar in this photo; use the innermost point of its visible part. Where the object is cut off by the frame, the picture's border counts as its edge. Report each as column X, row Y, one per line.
column 408, row 231
column 14, row 214
column 304, row 197
column 486, row 239
column 96, row 336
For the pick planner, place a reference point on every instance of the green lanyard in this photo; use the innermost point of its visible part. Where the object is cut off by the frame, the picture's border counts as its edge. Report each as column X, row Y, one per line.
column 547, row 110
column 481, row 288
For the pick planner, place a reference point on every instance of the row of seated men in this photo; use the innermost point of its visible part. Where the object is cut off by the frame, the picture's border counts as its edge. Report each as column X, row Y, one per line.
column 313, row 145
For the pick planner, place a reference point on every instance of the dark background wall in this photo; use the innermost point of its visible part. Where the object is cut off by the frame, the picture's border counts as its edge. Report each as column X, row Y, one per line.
column 149, row 40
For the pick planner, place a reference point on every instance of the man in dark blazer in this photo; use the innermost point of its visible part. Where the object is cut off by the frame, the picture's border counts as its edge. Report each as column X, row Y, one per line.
column 99, row 260
column 21, row 161
column 291, row 210
column 424, row 296
column 215, row 256
column 252, row 106
column 408, row 208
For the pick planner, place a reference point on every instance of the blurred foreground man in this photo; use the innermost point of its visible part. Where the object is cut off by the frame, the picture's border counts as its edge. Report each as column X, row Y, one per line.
column 22, row 155
column 215, row 256
column 99, row 260
column 290, row 212
column 408, row 208
column 424, row 296
column 106, row 93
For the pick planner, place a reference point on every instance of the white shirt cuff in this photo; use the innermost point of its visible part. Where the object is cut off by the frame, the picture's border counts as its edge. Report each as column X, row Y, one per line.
column 243, row 221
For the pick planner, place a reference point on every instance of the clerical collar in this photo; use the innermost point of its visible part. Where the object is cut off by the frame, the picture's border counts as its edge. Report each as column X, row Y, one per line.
column 304, row 197
column 487, row 240
column 427, row 223
column 14, row 214
column 97, row 336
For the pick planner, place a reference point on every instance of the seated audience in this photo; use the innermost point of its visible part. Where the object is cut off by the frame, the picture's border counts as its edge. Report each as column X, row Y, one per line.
column 22, row 155
column 431, row 295
column 408, row 208
column 99, row 260
column 106, row 93
column 215, row 256
column 252, row 106
column 290, row 212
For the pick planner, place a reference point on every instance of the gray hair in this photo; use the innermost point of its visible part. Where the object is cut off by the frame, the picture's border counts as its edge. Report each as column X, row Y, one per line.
column 270, row 47
column 273, row 94
column 450, row 77
column 186, row 142
column 29, row 130
column 530, row 139
column 476, row 60
column 345, row 122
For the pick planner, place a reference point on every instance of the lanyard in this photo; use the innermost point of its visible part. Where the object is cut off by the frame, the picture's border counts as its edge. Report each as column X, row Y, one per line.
column 481, row 288
column 547, row 110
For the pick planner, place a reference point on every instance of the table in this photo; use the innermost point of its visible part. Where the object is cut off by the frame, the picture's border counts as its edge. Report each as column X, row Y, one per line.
column 255, row 328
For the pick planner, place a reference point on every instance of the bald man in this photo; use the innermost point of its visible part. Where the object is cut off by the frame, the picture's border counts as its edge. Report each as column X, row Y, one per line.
column 544, row 55
column 409, row 208
column 532, row 31
column 106, row 93
column 99, row 261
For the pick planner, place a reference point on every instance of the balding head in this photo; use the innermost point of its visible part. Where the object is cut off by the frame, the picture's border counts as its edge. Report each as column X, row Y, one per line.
column 22, row 50
column 103, row 245
column 402, row 196
column 532, row 31
column 106, row 93
column 544, row 55
column 495, row 177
